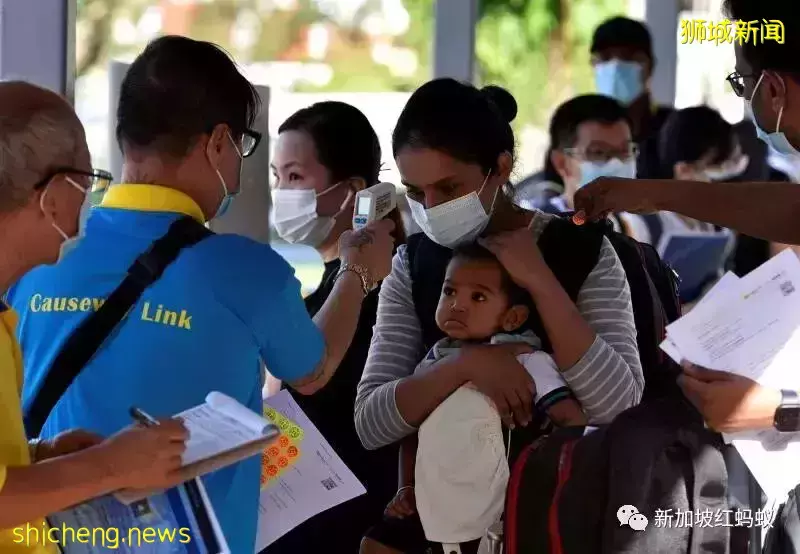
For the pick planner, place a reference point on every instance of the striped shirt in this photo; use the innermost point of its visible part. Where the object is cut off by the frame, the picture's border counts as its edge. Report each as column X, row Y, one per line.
column 606, row 380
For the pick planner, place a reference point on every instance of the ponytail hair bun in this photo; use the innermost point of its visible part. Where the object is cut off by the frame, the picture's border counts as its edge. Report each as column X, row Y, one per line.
column 502, row 100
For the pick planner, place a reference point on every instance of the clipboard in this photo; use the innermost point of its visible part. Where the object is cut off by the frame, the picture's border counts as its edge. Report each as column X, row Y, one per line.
column 180, row 520
column 222, row 432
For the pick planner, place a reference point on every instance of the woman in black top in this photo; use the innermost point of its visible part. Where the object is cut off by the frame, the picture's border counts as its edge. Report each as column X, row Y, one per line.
column 325, row 154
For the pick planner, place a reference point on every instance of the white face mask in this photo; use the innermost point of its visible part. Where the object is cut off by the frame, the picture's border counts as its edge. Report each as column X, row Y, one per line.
column 456, row 222
column 728, row 170
column 612, row 168
column 776, row 140
column 294, row 214
column 68, row 242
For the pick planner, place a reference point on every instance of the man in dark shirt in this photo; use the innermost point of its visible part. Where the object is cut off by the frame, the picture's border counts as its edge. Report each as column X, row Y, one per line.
column 623, row 62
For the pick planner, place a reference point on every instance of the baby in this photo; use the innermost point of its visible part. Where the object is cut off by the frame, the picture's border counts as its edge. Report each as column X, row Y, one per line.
column 455, row 470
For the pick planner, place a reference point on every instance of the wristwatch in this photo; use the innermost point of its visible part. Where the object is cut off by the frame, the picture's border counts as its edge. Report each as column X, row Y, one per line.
column 367, row 284
column 787, row 416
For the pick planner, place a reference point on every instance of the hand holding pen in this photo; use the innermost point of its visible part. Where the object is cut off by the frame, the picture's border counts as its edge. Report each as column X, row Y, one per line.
column 147, row 455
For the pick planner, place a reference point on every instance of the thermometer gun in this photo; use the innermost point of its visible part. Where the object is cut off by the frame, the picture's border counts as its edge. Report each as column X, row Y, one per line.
column 374, row 203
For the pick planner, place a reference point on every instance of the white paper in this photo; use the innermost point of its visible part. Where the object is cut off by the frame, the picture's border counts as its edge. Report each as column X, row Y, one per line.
column 220, row 425
column 751, row 333
column 751, row 327
column 726, row 285
column 318, row 481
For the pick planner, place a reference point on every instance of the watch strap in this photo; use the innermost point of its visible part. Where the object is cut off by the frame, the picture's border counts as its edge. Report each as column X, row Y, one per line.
column 789, row 399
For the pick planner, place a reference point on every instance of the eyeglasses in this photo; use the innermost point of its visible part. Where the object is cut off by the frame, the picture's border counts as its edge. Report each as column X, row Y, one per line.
column 250, row 140
column 736, row 80
column 95, row 182
column 600, row 154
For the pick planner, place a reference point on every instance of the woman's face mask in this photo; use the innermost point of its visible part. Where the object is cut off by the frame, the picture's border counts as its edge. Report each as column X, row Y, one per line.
column 729, row 169
column 294, row 214
column 459, row 221
column 621, row 80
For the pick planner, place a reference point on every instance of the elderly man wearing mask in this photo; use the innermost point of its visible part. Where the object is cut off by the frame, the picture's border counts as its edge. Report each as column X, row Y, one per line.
column 45, row 175
column 766, row 78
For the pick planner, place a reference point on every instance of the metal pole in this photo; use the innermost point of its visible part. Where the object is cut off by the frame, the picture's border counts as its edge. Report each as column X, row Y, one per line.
column 37, row 43
column 454, row 39
column 249, row 211
column 662, row 19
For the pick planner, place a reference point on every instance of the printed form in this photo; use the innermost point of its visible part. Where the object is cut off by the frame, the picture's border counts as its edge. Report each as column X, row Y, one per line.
column 751, row 326
column 303, row 476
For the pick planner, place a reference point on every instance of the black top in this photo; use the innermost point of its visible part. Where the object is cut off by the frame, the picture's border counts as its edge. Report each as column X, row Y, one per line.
column 332, row 410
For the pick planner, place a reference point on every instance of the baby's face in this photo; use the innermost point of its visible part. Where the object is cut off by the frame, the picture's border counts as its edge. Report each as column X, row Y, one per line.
column 473, row 303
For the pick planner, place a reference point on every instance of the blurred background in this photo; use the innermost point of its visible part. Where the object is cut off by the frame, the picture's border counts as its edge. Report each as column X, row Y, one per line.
column 373, row 53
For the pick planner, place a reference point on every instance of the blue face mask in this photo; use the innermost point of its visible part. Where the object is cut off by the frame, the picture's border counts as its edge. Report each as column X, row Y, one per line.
column 620, row 80
column 776, row 140
column 228, row 196
column 612, row 168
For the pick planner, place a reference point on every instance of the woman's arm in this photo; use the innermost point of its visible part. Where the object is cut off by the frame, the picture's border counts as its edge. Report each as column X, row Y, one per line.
column 337, row 319
column 390, row 401
column 594, row 339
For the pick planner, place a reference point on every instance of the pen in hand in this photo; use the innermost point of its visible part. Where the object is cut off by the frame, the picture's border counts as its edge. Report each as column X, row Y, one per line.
column 142, row 418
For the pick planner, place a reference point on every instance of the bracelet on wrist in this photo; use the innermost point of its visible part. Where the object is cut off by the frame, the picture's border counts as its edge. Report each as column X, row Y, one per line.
column 363, row 274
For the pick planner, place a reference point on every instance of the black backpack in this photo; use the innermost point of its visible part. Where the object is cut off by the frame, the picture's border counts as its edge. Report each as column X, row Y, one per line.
column 566, row 489
column 655, row 300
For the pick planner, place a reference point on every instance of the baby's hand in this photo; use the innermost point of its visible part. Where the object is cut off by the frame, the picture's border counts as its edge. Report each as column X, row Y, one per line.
column 403, row 504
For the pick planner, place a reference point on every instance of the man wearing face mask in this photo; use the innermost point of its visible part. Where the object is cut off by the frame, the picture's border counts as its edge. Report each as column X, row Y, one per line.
column 590, row 137
column 766, row 79
column 222, row 307
column 623, row 63
column 44, row 177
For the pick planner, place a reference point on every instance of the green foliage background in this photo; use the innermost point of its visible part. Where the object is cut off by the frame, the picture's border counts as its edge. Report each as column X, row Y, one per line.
column 538, row 49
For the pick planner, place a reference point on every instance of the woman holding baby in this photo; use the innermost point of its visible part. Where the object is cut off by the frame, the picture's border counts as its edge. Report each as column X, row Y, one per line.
column 454, row 148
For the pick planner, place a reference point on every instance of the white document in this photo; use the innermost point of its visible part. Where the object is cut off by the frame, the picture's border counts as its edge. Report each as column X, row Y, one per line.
column 752, row 327
column 318, row 481
column 751, row 332
column 728, row 284
column 220, row 425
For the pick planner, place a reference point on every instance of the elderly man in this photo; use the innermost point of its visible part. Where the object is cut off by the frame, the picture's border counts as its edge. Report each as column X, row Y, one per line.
column 44, row 177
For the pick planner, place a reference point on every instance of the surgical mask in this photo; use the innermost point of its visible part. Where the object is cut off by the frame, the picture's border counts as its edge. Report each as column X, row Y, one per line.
column 728, row 170
column 776, row 140
column 456, row 222
column 612, row 168
column 294, row 214
column 228, row 196
column 68, row 242
column 620, row 80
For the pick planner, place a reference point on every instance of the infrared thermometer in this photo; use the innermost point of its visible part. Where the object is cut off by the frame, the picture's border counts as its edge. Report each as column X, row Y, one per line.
column 374, row 203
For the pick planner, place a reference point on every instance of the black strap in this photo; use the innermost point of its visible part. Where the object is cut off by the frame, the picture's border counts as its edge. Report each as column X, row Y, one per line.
column 93, row 331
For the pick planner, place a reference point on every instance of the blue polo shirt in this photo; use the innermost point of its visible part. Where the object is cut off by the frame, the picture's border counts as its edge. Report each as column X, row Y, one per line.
column 223, row 306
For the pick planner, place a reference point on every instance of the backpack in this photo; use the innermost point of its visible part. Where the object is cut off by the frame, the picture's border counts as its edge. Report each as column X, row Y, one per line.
column 573, row 491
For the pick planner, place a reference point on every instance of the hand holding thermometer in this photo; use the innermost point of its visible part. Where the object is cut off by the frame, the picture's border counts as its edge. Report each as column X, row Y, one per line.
column 374, row 203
